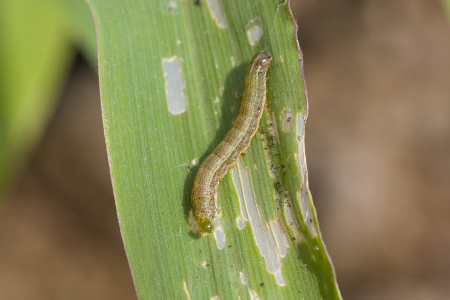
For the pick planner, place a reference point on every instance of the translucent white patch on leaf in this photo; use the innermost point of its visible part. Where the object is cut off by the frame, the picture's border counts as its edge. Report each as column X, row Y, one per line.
column 286, row 118
column 279, row 238
column 254, row 295
column 171, row 5
column 186, row 290
column 240, row 222
column 216, row 298
column 244, row 278
column 192, row 223
column 304, row 194
column 264, row 236
column 176, row 100
column 254, row 34
column 254, row 30
column 217, row 12
column 219, row 234
column 243, row 218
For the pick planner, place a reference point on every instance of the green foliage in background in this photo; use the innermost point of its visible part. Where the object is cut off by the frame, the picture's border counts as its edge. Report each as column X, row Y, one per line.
column 36, row 51
column 153, row 153
column 446, row 4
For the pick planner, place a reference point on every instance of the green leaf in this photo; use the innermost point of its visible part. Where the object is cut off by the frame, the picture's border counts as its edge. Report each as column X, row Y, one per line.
column 155, row 149
column 80, row 26
column 36, row 51
column 34, row 57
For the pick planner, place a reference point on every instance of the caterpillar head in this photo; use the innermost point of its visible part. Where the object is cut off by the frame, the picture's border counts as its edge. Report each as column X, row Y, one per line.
column 262, row 59
column 206, row 226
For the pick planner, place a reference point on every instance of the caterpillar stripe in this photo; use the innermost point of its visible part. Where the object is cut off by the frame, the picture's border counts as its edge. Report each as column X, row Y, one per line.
column 236, row 141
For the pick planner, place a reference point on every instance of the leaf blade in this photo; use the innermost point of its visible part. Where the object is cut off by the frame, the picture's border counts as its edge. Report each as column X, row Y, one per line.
column 150, row 149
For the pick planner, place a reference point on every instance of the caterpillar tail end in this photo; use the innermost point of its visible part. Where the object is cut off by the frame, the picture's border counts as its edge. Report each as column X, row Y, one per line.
column 206, row 226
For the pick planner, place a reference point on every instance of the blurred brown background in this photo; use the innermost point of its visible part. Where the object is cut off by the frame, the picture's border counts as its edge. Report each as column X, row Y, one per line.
column 378, row 151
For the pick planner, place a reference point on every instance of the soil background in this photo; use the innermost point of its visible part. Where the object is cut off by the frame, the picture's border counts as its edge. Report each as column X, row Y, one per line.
column 378, row 152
